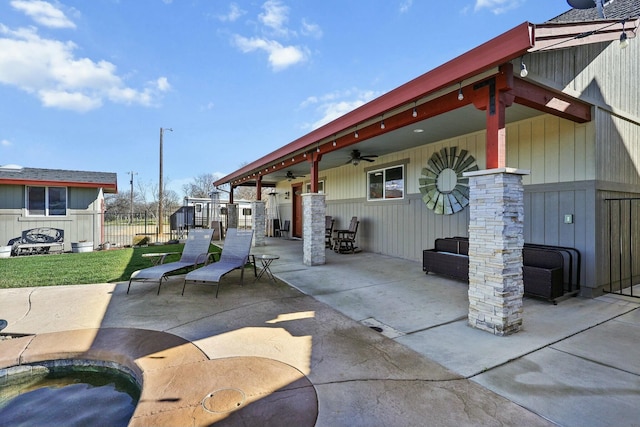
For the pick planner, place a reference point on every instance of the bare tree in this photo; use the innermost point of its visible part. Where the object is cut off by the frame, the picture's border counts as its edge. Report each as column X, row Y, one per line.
column 201, row 187
column 245, row 193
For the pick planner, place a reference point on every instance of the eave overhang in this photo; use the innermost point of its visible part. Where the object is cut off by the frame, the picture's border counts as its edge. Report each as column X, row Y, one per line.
column 489, row 55
column 566, row 35
column 107, row 187
column 435, row 92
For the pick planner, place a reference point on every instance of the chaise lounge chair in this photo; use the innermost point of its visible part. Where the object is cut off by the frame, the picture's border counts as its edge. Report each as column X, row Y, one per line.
column 195, row 252
column 235, row 255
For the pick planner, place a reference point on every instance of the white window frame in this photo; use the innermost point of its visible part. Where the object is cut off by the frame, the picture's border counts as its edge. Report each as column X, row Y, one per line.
column 383, row 171
column 47, row 201
column 307, row 187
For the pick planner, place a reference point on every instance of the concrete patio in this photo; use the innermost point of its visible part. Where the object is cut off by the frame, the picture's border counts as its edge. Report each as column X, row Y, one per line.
column 302, row 351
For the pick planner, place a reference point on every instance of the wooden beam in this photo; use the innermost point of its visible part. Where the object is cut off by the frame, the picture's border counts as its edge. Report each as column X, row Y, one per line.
column 492, row 95
column 314, row 159
column 259, row 189
column 552, row 102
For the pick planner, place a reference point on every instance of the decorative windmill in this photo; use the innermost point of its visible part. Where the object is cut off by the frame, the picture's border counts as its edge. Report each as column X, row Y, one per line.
column 443, row 187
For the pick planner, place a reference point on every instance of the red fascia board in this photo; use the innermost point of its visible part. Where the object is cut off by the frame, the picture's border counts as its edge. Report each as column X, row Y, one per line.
column 497, row 51
column 111, row 186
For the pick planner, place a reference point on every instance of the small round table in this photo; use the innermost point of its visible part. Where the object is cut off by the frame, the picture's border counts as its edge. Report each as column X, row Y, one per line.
column 266, row 261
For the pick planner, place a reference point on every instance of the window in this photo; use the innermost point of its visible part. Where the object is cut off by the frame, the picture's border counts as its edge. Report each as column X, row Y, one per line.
column 47, row 201
column 385, row 184
column 307, row 187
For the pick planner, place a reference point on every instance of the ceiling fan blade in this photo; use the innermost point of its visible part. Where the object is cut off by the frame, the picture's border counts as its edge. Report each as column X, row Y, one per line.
column 367, row 160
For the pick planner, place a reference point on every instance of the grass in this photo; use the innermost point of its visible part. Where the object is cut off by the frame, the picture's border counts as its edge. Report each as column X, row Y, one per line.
column 80, row 268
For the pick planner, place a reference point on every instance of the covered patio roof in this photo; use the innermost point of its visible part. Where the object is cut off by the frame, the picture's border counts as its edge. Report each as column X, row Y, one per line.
column 428, row 109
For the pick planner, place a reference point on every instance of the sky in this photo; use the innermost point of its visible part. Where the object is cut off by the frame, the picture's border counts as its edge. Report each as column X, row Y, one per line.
column 87, row 85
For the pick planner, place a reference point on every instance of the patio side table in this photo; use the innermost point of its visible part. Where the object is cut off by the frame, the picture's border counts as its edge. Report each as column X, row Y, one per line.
column 266, row 261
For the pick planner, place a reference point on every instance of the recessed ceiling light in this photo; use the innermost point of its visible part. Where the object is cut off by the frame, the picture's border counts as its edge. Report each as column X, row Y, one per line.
column 418, row 130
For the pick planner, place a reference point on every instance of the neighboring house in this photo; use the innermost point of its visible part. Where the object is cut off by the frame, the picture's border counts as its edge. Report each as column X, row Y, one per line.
column 72, row 201
column 558, row 101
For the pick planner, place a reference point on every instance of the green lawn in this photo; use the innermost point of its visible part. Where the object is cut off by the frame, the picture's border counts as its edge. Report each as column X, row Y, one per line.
column 80, row 268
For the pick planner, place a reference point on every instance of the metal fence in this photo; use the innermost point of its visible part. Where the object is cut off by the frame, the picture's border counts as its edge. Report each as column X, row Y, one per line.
column 624, row 245
column 123, row 229
column 127, row 229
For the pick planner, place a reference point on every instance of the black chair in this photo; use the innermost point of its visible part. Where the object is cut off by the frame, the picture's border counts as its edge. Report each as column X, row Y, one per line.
column 285, row 228
column 328, row 231
column 345, row 240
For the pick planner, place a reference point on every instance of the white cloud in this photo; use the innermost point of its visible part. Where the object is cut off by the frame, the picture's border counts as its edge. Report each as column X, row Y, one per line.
column 75, row 101
column 312, row 30
column 163, row 84
column 280, row 57
column 49, row 69
column 43, row 13
column 209, row 106
column 335, row 104
column 405, row 5
column 233, row 15
column 275, row 16
column 274, row 20
column 5, row 143
column 497, row 7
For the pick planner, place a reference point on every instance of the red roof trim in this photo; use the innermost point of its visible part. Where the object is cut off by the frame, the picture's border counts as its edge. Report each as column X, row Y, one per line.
column 497, row 51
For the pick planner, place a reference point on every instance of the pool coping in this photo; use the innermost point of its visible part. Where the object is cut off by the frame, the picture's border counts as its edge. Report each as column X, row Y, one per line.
column 178, row 381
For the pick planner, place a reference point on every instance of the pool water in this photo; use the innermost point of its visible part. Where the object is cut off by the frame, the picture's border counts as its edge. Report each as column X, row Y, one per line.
column 69, row 396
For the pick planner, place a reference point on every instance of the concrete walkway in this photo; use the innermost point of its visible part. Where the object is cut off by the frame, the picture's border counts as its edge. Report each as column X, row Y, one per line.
column 574, row 364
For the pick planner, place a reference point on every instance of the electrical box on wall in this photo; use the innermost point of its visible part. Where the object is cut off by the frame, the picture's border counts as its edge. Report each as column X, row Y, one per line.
column 568, row 218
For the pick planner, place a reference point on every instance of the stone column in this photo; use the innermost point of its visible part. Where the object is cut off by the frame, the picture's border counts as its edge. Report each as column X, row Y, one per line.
column 232, row 215
column 496, row 203
column 258, row 223
column 313, row 211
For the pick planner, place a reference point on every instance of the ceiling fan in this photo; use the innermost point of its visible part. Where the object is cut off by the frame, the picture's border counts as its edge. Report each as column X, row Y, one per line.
column 290, row 175
column 356, row 157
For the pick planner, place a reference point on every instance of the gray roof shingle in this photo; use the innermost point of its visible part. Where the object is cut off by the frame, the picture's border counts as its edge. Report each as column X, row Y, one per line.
column 33, row 175
column 613, row 10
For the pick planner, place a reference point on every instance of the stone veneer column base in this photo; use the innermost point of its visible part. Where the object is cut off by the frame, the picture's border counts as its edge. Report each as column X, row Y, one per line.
column 313, row 211
column 232, row 215
column 259, row 223
column 496, row 203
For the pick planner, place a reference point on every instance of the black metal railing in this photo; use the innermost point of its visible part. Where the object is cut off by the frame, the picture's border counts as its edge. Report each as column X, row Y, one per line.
column 127, row 229
column 624, row 245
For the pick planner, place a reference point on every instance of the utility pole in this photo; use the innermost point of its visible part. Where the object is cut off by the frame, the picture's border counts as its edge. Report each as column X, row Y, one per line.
column 160, row 186
column 131, row 206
